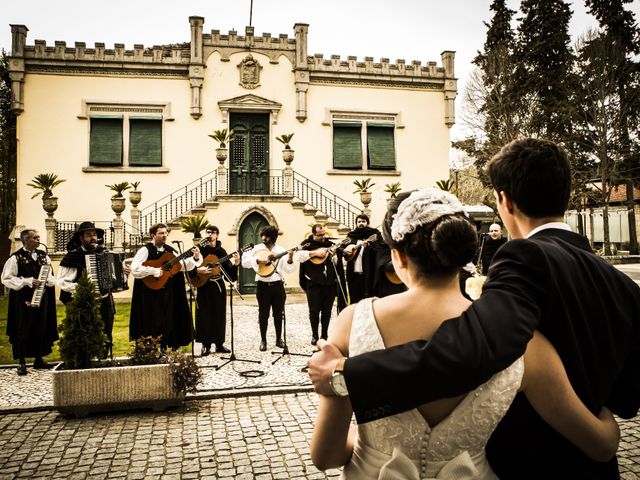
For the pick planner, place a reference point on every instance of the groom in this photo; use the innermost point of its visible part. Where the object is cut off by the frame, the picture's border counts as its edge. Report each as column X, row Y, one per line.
column 548, row 279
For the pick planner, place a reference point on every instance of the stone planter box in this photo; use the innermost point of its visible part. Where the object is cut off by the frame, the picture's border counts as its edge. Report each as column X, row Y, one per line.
column 80, row 392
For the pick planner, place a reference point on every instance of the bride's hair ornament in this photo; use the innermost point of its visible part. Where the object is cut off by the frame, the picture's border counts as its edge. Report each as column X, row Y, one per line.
column 422, row 207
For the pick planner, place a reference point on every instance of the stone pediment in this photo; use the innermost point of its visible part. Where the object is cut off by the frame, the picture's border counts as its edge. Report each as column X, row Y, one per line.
column 249, row 103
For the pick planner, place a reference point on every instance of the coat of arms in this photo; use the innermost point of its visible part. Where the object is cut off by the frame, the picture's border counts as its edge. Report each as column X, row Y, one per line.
column 249, row 72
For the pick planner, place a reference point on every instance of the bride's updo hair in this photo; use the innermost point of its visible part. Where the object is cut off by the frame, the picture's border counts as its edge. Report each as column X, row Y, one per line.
column 430, row 227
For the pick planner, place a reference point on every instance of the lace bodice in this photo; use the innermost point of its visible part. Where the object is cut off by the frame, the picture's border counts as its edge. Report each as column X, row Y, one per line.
column 467, row 428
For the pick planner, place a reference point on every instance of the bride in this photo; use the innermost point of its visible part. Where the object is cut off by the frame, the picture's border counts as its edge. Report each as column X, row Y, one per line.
column 431, row 239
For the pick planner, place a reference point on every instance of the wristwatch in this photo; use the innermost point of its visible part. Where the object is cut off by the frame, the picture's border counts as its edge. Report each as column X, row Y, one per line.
column 338, row 383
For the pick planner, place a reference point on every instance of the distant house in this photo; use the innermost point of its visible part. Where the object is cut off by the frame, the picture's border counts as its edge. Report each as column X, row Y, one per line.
column 101, row 115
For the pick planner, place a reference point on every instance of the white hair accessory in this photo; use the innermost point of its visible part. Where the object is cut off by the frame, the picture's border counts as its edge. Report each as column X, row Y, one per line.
column 421, row 207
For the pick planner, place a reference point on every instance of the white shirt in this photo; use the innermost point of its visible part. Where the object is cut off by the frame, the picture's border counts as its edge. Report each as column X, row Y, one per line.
column 140, row 271
column 250, row 261
column 67, row 278
column 10, row 278
column 546, row 226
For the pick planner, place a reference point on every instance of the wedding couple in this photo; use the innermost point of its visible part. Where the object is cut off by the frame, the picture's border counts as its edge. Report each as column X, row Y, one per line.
column 517, row 385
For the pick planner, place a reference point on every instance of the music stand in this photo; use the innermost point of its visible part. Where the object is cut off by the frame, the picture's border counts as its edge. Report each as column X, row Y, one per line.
column 232, row 357
column 285, row 350
column 191, row 287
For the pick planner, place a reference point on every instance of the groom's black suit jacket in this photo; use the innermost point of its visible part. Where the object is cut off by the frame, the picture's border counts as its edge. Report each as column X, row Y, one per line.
column 552, row 282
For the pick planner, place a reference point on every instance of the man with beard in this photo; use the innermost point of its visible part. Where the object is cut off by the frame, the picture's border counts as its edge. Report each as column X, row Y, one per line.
column 319, row 280
column 161, row 312
column 87, row 239
column 270, row 289
column 360, row 260
column 31, row 330
column 211, row 314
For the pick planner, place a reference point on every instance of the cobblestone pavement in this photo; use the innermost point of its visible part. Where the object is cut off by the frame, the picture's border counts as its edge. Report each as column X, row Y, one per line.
column 241, row 426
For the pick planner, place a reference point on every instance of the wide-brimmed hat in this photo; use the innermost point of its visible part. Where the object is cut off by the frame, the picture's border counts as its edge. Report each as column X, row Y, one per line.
column 84, row 227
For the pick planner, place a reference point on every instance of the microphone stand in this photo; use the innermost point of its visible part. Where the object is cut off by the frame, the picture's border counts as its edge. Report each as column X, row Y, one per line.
column 285, row 349
column 232, row 357
column 191, row 295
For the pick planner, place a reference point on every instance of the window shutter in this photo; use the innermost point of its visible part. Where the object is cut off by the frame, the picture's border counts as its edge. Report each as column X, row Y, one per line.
column 347, row 145
column 105, row 144
column 145, row 142
column 381, row 149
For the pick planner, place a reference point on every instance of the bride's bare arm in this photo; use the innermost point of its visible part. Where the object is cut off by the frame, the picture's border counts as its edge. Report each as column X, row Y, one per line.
column 332, row 442
column 548, row 389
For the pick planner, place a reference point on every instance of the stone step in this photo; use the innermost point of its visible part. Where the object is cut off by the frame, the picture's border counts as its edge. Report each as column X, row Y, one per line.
column 309, row 210
column 297, row 204
column 321, row 217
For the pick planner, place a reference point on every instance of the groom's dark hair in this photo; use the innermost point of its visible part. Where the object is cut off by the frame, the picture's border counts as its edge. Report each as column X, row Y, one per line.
column 535, row 174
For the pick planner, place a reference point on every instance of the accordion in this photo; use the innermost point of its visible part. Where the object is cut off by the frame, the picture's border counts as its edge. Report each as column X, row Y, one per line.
column 106, row 272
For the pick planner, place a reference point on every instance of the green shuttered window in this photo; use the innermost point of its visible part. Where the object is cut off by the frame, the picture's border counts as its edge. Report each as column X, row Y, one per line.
column 381, row 151
column 347, row 145
column 106, row 141
column 145, row 142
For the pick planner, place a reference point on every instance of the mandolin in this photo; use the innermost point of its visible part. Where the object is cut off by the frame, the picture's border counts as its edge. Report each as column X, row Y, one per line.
column 351, row 254
column 330, row 251
column 267, row 261
column 214, row 264
column 170, row 265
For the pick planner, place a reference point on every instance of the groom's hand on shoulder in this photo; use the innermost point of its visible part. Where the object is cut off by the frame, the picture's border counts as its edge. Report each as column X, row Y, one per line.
column 321, row 366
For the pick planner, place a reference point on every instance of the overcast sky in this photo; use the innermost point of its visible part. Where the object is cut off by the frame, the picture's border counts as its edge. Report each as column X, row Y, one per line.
column 407, row 29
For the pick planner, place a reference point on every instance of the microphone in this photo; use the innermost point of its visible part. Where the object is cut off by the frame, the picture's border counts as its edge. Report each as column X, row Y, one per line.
column 177, row 241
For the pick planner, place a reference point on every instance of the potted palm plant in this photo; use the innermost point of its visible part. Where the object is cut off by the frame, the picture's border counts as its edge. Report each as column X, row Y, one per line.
column 287, row 153
column 194, row 225
column 83, row 384
column 392, row 189
column 135, row 195
column 45, row 183
column 117, row 199
column 362, row 187
column 223, row 137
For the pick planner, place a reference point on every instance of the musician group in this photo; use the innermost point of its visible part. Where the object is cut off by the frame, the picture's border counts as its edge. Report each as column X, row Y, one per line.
column 159, row 305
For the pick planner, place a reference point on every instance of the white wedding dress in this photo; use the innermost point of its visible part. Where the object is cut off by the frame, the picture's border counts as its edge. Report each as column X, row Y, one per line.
column 403, row 446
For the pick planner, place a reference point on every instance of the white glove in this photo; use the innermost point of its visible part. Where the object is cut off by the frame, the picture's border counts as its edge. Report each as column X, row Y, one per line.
column 157, row 272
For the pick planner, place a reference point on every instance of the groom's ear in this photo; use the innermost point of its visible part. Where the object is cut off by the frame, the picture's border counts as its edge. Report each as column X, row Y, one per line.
column 507, row 202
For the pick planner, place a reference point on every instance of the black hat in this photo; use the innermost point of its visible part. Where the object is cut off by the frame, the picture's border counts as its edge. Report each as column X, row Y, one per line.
column 83, row 227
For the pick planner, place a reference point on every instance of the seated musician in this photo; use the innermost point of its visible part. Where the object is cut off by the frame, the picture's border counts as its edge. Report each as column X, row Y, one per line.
column 360, row 260
column 163, row 311
column 211, row 315
column 31, row 330
column 319, row 279
column 87, row 239
column 270, row 288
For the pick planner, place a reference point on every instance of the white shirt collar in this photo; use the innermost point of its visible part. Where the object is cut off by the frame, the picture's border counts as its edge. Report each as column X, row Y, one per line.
column 546, row 226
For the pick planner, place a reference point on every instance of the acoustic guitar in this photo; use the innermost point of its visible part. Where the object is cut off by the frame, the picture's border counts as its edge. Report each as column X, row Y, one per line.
column 351, row 254
column 393, row 277
column 170, row 265
column 267, row 261
column 330, row 251
column 214, row 263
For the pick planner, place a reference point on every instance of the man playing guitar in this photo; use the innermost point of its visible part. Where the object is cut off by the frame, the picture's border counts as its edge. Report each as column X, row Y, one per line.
column 360, row 260
column 269, row 281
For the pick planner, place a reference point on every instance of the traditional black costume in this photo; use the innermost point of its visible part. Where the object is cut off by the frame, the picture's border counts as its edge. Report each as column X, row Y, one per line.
column 211, row 314
column 31, row 331
column 319, row 281
column 361, row 282
column 385, row 280
column 160, row 312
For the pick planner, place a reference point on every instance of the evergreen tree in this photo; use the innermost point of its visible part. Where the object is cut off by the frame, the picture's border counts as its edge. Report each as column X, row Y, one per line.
column 83, row 329
column 490, row 109
column 544, row 67
column 7, row 151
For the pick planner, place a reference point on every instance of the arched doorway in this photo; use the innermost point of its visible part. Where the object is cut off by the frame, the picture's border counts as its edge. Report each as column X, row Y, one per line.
column 250, row 233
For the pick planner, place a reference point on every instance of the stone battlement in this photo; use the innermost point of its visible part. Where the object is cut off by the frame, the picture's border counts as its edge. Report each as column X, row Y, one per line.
column 249, row 40
column 317, row 62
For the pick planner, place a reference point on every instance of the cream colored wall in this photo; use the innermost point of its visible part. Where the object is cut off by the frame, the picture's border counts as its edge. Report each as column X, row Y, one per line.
column 52, row 139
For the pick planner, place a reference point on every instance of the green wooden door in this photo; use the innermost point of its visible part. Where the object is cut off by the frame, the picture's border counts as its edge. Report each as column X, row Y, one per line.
column 250, row 233
column 249, row 152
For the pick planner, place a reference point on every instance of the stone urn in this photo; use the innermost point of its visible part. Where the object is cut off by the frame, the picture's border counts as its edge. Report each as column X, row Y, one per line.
column 365, row 198
column 135, row 197
column 50, row 205
column 390, row 201
column 221, row 155
column 287, row 156
column 117, row 205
